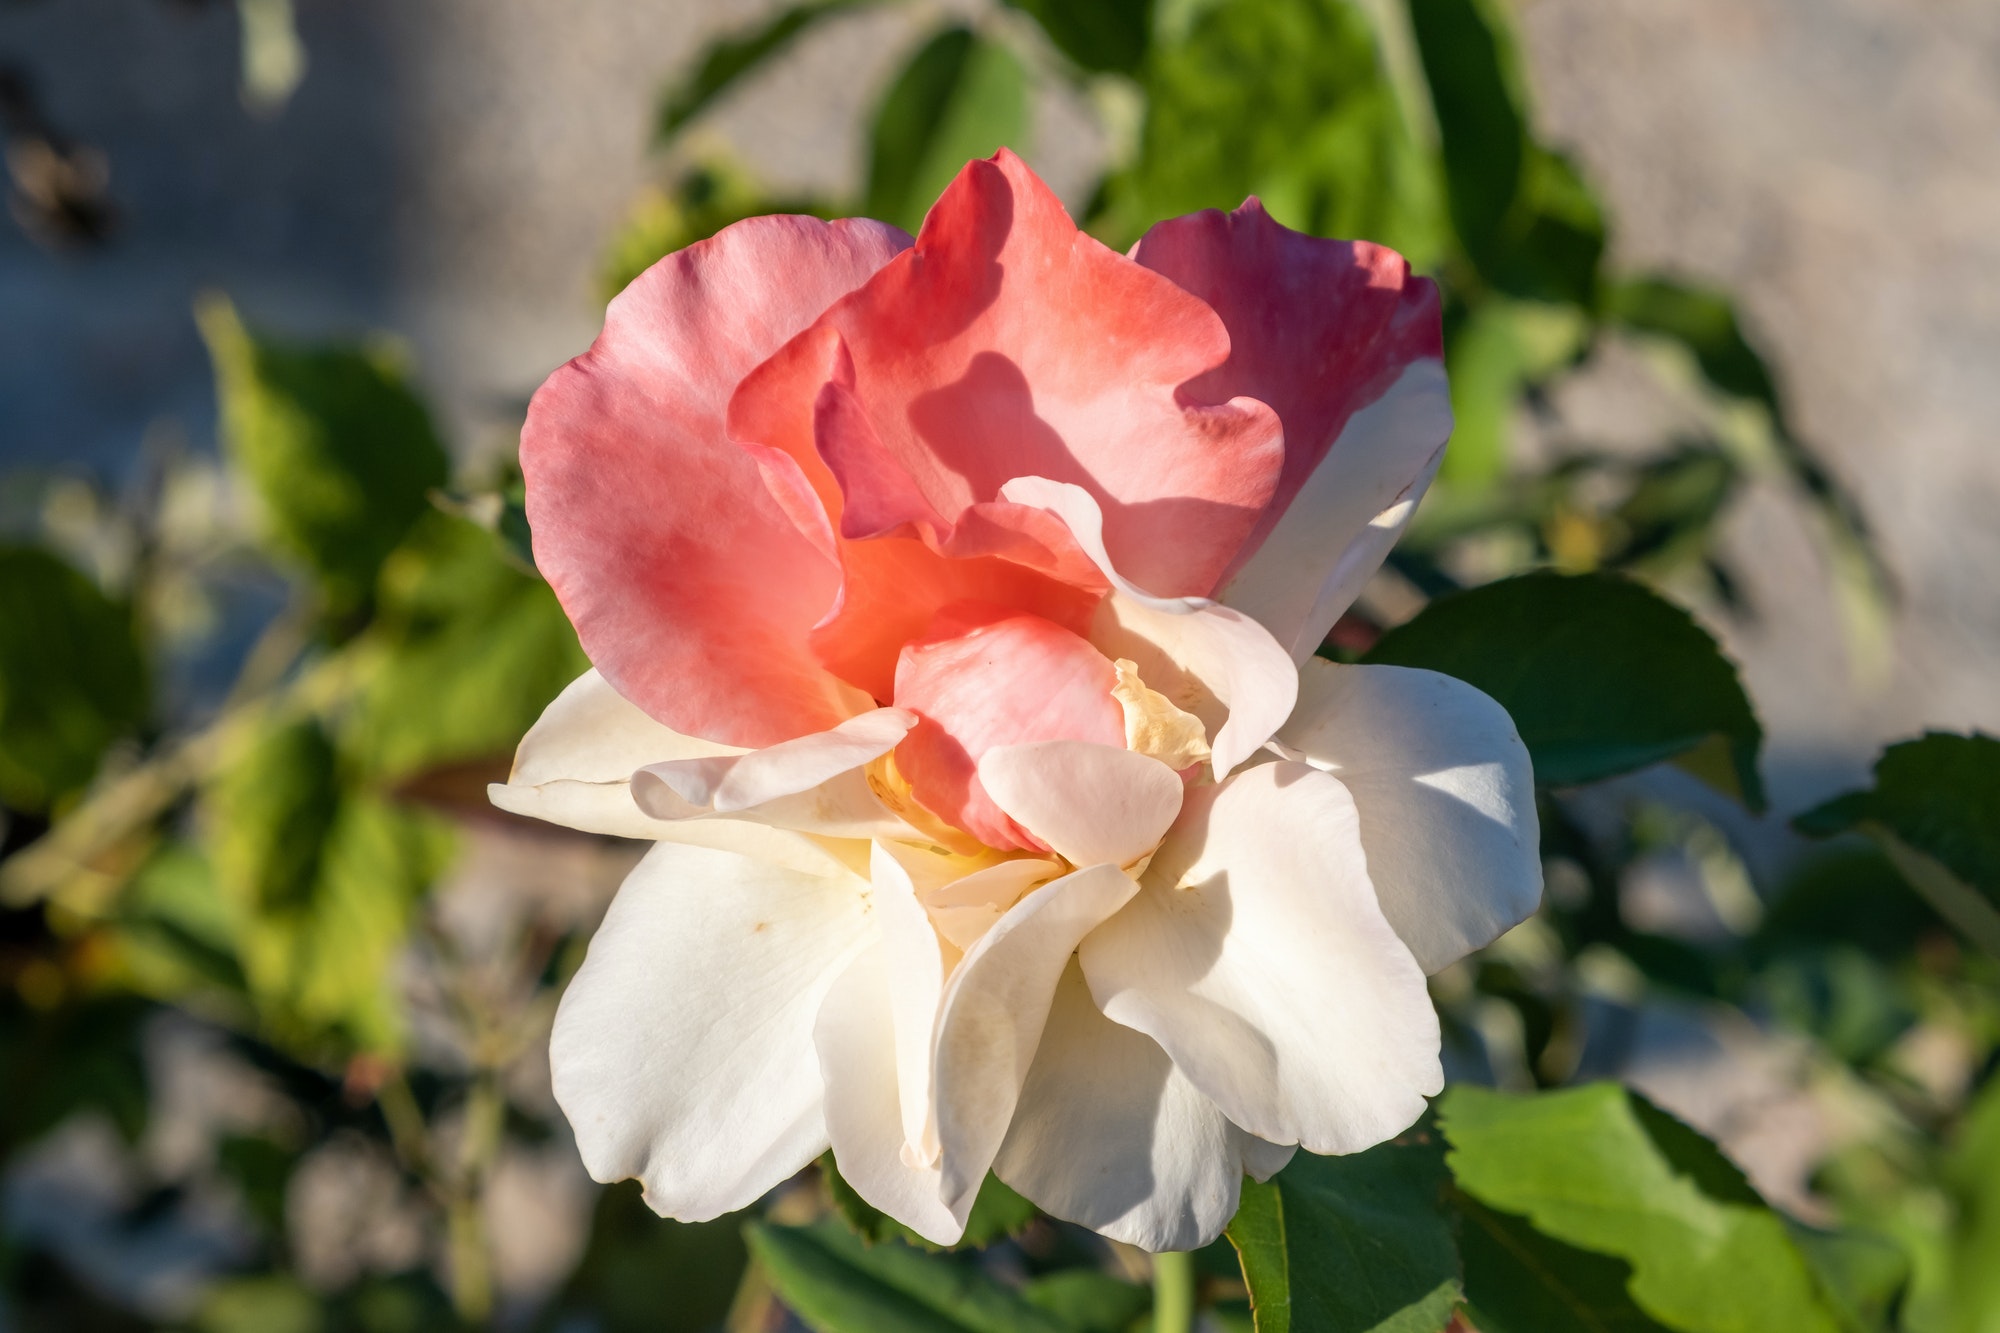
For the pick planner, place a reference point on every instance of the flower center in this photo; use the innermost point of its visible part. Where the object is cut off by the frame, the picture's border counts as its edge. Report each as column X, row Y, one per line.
column 1154, row 727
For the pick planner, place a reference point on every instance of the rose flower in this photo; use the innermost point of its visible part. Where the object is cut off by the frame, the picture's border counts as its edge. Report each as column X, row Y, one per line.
column 953, row 606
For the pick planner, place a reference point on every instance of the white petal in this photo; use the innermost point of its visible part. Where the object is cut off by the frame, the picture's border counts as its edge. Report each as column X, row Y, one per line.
column 1109, row 1135
column 814, row 784
column 574, row 765
column 964, row 909
column 1446, row 795
column 994, row 1006
column 917, row 967
column 683, row 1050
column 1208, row 659
column 574, row 768
column 859, row 1064
column 1352, row 509
column 1257, row 955
column 1089, row 803
column 1263, row 1160
column 1216, row 663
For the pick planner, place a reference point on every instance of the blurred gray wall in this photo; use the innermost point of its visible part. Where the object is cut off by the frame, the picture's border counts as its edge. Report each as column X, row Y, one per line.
column 450, row 169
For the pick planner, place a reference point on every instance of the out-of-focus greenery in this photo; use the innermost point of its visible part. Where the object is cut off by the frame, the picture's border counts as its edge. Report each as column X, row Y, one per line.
column 271, row 873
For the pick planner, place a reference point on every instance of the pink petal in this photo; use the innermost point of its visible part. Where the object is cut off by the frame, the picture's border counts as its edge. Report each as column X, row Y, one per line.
column 692, row 585
column 1008, row 342
column 984, row 681
column 894, row 587
column 1319, row 330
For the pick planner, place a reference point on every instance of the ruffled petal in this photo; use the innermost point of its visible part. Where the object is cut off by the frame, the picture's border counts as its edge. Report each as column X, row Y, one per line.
column 1007, row 342
column 995, row 1005
column 683, row 1050
column 1347, row 346
column 892, row 588
column 574, row 767
column 1446, row 795
column 1257, row 956
column 815, row 784
column 1209, row 660
column 1089, row 803
column 1109, row 1135
column 1003, row 682
column 689, row 581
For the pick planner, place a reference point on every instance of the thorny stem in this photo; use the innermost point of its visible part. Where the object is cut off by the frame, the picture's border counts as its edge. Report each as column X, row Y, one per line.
column 1173, row 1292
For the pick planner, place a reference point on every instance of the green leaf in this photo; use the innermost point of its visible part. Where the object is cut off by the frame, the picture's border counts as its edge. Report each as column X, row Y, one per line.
column 1103, row 35
column 1704, row 321
column 1524, row 215
column 72, row 679
column 1862, row 1275
column 1601, row 676
column 1083, row 1300
column 838, row 1283
column 636, row 1256
column 1475, row 82
column 466, row 651
column 996, row 1214
column 1357, row 1244
column 1519, row 1281
column 1485, row 368
column 1940, row 794
column 960, row 97
column 1600, row 1169
column 1289, row 102
column 319, row 880
column 261, row 1304
column 1935, row 809
column 734, row 56
column 335, row 443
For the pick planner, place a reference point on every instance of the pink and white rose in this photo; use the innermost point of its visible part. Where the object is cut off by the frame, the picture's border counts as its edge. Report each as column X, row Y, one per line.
column 953, row 606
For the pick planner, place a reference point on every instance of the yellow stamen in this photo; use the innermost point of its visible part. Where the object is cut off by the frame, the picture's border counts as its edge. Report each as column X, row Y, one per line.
column 1153, row 726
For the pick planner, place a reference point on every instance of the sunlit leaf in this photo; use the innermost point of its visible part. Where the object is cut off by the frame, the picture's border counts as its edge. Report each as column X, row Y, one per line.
column 1519, row 1281
column 1601, row 676
column 320, row 879
column 72, row 678
column 1485, row 365
column 961, row 96
column 334, row 442
column 838, row 1283
column 1600, row 1169
column 1359, row 1244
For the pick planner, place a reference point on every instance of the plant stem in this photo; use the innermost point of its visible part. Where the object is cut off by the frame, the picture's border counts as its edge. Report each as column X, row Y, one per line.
column 1173, row 1292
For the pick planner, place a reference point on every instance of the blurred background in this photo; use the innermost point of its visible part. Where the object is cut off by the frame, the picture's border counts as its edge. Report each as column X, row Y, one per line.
column 1723, row 289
